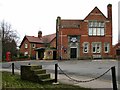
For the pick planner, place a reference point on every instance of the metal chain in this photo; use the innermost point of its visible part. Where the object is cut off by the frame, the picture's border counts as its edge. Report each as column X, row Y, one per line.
column 80, row 81
column 8, row 66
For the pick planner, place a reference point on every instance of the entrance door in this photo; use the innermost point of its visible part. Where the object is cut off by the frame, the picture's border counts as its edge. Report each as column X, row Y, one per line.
column 54, row 55
column 41, row 54
column 73, row 52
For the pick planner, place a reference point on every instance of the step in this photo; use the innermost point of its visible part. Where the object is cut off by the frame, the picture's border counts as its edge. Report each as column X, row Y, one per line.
column 48, row 80
column 39, row 71
column 34, row 67
column 43, row 76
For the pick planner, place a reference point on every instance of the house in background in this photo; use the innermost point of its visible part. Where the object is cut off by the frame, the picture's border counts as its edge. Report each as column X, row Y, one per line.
column 116, row 50
column 34, row 47
column 87, row 38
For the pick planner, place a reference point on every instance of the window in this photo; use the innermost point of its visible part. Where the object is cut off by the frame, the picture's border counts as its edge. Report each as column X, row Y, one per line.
column 94, row 32
column 106, row 47
column 26, row 54
column 96, row 47
column 98, row 32
column 33, row 45
column 26, row 45
column 90, row 31
column 85, row 47
column 102, row 32
column 96, row 28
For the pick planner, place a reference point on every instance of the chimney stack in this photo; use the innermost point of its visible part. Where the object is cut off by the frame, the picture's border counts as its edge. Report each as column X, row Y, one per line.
column 40, row 34
column 109, row 11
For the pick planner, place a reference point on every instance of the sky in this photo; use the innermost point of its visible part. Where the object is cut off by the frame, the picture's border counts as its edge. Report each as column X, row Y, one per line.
column 30, row 16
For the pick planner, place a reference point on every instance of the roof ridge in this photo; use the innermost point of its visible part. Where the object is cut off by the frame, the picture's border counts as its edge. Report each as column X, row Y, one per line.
column 49, row 34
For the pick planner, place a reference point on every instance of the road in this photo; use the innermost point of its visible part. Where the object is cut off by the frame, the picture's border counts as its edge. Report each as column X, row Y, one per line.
column 88, row 68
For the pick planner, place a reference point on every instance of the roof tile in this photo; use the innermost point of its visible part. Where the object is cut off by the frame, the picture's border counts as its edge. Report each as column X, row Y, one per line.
column 44, row 39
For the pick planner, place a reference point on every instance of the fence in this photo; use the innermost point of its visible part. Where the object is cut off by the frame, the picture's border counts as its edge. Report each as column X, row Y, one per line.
column 112, row 69
column 11, row 66
column 84, row 81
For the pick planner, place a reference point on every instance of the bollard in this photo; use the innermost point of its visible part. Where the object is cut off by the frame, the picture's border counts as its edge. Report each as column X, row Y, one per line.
column 114, row 78
column 56, row 65
column 12, row 68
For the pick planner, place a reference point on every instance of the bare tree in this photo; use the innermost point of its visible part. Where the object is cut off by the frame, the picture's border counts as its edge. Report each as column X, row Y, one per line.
column 9, row 39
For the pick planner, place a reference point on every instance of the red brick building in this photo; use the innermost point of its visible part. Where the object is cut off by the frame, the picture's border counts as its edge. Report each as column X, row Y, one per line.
column 75, row 39
column 87, row 38
column 34, row 47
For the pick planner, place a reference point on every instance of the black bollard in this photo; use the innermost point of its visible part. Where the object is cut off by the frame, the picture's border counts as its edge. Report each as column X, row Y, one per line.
column 56, row 65
column 12, row 68
column 114, row 78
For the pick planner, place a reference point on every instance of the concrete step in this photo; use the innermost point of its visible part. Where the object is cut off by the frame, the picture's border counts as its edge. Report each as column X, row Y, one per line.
column 35, row 73
column 43, row 76
column 39, row 71
column 48, row 80
column 36, row 67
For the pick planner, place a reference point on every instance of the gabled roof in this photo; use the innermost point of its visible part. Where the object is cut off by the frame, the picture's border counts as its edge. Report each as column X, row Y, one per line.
column 33, row 39
column 48, row 38
column 117, row 45
column 44, row 39
column 95, row 11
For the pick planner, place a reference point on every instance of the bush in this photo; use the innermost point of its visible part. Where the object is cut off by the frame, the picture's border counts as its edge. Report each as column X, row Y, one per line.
column 23, row 57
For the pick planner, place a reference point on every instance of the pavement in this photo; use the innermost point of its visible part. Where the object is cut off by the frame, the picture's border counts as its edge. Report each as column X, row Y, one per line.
column 96, row 84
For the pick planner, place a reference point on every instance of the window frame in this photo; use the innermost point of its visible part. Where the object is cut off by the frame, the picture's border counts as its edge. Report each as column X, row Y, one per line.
column 94, row 26
column 26, row 53
column 107, row 45
column 26, row 45
column 87, row 50
column 33, row 45
column 97, row 47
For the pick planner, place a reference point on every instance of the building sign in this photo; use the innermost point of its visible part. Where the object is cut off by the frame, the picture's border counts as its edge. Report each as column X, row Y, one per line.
column 73, row 39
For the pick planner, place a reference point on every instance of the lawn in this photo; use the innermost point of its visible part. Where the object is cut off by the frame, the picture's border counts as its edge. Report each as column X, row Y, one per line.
column 13, row 82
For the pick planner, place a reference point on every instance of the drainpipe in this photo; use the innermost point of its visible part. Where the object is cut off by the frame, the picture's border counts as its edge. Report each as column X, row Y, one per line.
column 61, row 44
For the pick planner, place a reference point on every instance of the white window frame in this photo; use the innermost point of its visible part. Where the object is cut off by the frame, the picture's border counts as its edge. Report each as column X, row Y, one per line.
column 26, row 45
column 97, row 47
column 25, row 53
column 107, row 45
column 90, row 32
column 96, row 28
column 87, row 50
column 33, row 45
column 102, row 31
column 98, row 31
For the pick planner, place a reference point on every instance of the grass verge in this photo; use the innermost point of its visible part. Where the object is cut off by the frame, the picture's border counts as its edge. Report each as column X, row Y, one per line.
column 13, row 82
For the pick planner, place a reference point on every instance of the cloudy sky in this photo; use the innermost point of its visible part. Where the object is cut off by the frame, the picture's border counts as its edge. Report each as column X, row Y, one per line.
column 30, row 16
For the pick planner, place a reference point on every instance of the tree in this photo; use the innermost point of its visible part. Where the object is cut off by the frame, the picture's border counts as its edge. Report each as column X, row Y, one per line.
column 9, row 39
